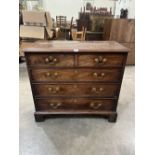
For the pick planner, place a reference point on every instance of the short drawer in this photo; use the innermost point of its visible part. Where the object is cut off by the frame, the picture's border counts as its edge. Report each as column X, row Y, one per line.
column 49, row 75
column 100, row 60
column 102, row 90
column 54, row 60
column 75, row 104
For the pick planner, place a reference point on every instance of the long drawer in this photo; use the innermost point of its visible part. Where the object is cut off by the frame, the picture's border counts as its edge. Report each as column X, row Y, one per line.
column 75, row 103
column 104, row 75
column 82, row 89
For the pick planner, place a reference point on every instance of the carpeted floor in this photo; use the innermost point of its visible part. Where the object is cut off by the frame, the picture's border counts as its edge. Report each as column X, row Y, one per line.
column 78, row 136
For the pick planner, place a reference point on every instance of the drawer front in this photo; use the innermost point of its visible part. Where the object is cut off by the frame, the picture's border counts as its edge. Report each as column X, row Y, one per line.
column 102, row 90
column 75, row 104
column 100, row 60
column 108, row 75
column 56, row 60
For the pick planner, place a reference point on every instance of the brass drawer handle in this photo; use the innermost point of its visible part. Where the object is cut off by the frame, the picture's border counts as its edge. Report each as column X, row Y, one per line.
column 95, row 105
column 54, row 90
column 99, row 75
column 55, row 105
column 102, row 74
column 100, row 59
column 101, row 89
column 48, row 74
column 93, row 89
column 51, row 60
column 97, row 91
column 55, row 74
column 95, row 74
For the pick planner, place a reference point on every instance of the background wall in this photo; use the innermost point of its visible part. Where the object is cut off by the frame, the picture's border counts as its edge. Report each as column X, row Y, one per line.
column 125, row 4
column 71, row 8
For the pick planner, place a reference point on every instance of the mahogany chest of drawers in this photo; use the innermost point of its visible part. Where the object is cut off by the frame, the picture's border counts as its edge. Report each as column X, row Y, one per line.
column 77, row 78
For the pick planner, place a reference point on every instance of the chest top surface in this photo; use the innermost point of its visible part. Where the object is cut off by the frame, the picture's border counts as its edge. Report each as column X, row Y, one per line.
column 76, row 46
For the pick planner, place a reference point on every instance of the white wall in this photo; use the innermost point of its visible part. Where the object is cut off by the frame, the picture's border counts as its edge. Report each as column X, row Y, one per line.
column 126, row 4
column 71, row 8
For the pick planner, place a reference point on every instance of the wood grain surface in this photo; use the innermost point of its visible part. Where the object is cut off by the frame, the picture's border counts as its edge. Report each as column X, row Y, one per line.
column 76, row 46
column 57, row 60
column 74, row 103
column 76, row 77
column 76, row 89
column 102, row 75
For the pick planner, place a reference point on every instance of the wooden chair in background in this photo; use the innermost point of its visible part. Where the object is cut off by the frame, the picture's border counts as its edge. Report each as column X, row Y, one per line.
column 79, row 35
column 64, row 29
column 61, row 24
column 61, row 21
